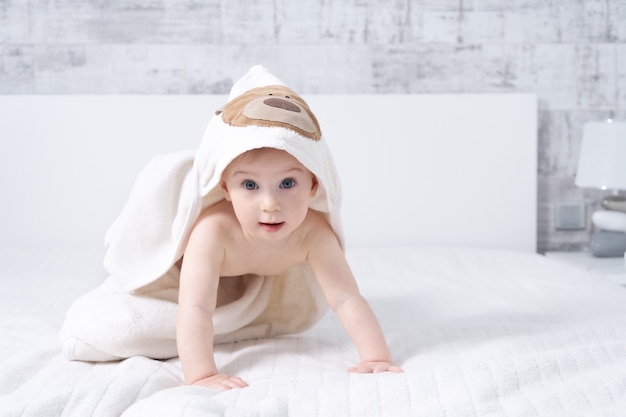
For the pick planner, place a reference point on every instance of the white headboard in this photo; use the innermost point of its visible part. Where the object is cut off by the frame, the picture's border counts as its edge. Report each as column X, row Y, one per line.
column 416, row 169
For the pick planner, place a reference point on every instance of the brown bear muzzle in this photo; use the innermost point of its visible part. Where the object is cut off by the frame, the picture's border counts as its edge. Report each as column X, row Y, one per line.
column 281, row 104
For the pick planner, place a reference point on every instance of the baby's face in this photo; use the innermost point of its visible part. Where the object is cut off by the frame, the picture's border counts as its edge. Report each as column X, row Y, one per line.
column 270, row 192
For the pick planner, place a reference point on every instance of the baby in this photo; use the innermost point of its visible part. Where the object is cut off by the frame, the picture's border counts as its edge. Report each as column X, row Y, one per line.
column 265, row 226
column 241, row 239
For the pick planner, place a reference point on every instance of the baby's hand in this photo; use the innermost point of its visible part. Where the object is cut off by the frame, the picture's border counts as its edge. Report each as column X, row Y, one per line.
column 221, row 382
column 373, row 367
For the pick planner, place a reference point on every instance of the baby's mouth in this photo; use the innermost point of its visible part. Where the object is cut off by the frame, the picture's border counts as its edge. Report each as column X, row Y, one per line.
column 271, row 227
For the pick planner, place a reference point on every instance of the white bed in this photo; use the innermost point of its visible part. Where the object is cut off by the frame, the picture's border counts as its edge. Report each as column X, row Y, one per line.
column 481, row 324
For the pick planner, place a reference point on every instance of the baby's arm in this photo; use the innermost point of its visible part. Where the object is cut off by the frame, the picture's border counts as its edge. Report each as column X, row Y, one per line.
column 340, row 288
column 199, row 280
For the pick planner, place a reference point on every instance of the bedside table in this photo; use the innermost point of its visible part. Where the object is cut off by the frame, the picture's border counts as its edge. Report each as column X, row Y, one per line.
column 611, row 268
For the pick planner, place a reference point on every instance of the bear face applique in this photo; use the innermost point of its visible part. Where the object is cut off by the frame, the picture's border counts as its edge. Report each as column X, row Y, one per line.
column 272, row 106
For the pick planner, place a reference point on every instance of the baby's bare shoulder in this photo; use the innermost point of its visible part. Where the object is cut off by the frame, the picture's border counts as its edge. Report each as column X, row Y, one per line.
column 318, row 228
column 217, row 218
column 211, row 233
column 324, row 247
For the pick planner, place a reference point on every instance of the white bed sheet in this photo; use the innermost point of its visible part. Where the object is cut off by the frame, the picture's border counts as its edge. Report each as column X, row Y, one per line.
column 478, row 333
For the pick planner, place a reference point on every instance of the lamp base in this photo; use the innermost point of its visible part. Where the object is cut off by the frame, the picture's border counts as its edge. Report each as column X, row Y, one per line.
column 607, row 244
column 614, row 202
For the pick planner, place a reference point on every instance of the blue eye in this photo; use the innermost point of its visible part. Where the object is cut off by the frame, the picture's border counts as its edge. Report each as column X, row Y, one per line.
column 288, row 183
column 250, row 185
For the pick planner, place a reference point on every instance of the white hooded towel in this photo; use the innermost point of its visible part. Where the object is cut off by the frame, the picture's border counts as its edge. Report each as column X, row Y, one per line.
column 134, row 311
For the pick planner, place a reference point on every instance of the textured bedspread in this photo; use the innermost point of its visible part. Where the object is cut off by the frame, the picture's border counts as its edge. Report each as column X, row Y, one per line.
column 478, row 333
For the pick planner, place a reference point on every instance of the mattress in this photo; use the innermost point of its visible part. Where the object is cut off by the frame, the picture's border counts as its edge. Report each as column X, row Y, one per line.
column 478, row 333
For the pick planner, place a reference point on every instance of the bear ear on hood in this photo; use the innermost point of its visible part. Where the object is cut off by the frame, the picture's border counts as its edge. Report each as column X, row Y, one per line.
column 257, row 76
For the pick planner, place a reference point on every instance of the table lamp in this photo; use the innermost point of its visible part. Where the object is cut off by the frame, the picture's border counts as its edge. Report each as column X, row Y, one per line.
column 602, row 164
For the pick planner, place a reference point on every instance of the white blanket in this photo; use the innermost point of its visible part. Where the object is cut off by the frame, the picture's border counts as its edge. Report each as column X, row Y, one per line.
column 477, row 332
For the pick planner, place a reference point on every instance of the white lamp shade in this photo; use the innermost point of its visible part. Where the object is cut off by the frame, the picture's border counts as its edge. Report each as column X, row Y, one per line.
column 602, row 162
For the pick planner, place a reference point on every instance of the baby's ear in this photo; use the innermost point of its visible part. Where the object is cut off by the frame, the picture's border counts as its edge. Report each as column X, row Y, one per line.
column 225, row 190
column 314, row 186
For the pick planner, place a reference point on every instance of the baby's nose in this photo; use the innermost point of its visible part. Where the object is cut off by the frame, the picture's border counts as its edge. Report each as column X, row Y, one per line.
column 270, row 203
